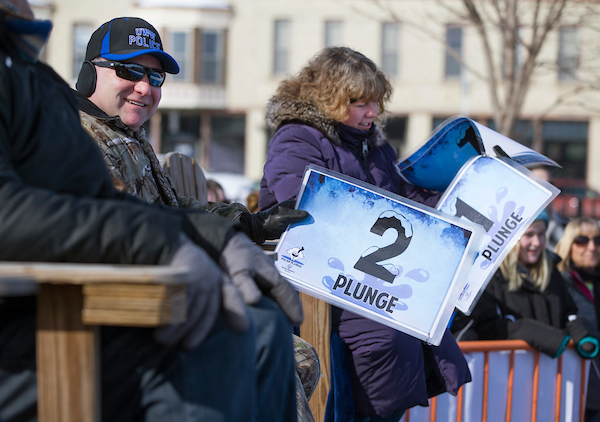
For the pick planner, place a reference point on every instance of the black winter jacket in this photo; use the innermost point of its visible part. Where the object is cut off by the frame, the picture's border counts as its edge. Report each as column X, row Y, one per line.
column 541, row 318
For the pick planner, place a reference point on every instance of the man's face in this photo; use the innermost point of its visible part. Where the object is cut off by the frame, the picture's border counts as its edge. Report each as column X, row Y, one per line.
column 133, row 102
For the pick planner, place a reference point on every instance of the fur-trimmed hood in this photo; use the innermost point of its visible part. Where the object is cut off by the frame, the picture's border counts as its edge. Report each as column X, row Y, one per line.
column 281, row 111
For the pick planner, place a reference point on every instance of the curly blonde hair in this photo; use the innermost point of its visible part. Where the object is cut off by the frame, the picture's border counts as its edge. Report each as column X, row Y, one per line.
column 336, row 77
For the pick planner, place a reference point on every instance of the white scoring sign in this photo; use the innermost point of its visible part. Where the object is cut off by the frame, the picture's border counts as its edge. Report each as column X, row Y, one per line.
column 378, row 254
column 503, row 197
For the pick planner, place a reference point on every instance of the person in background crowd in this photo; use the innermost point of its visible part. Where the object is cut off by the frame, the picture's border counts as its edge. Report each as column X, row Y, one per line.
column 527, row 300
column 118, row 89
column 252, row 201
column 556, row 222
column 329, row 114
column 58, row 204
column 579, row 249
column 215, row 191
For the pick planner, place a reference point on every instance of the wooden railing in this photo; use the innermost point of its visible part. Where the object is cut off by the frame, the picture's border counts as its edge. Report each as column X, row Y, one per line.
column 72, row 301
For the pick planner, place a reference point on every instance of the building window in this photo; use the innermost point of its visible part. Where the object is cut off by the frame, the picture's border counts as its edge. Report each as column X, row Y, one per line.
column 227, row 145
column 568, row 53
column 181, row 133
column 282, row 41
column 81, row 36
column 567, row 144
column 395, row 131
column 333, row 33
column 212, row 57
column 390, row 33
column 180, row 48
column 563, row 141
column 454, row 35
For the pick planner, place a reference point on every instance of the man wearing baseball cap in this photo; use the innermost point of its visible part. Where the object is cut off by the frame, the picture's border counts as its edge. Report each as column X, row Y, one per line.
column 58, row 204
column 119, row 88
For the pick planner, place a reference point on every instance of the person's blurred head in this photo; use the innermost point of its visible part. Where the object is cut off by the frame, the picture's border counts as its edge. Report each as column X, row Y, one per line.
column 344, row 85
column 124, row 70
column 579, row 246
column 215, row 192
column 542, row 171
column 252, row 201
column 528, row 257
column 532, row 244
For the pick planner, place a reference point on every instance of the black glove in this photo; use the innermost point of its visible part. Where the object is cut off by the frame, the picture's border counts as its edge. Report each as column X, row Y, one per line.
column 272, row 223
column 540, row 336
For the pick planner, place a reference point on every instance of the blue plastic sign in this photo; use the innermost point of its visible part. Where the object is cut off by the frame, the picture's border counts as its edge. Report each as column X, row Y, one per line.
column 435, row 164
column 377, row 254
column 504, row 198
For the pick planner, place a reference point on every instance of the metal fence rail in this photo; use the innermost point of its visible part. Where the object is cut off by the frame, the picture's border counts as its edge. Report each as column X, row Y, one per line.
column 512, row 382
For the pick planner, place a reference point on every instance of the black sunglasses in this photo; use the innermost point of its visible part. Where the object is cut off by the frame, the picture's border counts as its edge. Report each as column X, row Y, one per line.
column 135, row 72
column 584, row 240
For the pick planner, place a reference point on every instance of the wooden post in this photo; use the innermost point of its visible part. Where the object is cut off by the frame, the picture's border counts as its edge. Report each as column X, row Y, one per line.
column 67, row 357
column 316, row 329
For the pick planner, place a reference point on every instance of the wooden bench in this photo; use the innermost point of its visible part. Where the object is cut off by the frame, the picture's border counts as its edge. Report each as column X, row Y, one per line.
column 72, row 301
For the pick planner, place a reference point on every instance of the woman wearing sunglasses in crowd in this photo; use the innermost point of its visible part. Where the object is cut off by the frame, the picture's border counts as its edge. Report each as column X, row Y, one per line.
column 579, row 249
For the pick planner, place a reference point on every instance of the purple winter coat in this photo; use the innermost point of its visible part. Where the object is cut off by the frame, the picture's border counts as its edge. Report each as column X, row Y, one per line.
column 389, row 366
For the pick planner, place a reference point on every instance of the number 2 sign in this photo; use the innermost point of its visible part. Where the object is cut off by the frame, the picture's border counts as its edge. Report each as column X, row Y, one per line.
column 504, row 198
column 377, row 254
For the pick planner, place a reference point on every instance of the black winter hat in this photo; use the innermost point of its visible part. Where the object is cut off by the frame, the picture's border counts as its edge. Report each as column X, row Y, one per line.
column 126, row 38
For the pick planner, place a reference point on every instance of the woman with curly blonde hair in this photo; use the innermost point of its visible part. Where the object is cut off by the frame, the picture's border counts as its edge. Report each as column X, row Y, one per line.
column 330, row 114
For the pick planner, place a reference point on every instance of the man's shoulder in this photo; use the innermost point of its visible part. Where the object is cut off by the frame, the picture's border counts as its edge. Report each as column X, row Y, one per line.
column 96, row 126
column 107, row 137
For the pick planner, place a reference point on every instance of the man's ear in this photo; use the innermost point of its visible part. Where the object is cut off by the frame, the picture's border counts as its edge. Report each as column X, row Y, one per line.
column 86, row 82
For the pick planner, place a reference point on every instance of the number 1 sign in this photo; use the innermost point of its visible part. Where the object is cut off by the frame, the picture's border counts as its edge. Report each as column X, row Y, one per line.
column 504, row 198
column 377, row 254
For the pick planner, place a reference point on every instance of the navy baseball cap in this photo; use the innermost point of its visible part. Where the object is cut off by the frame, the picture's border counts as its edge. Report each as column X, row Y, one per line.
column 126, row 38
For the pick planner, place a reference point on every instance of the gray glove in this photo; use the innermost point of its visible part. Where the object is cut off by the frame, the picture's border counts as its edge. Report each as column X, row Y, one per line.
column 207, row 289
column 254, row 274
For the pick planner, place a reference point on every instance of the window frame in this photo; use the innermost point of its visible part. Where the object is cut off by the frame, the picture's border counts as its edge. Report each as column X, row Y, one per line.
column 453, row 68
column 79, row 45
column 390, row 48
column 282, row 29
column 183, row 58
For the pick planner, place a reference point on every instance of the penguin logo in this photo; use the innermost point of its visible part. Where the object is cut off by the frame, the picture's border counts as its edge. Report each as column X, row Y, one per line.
column 296, row 253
